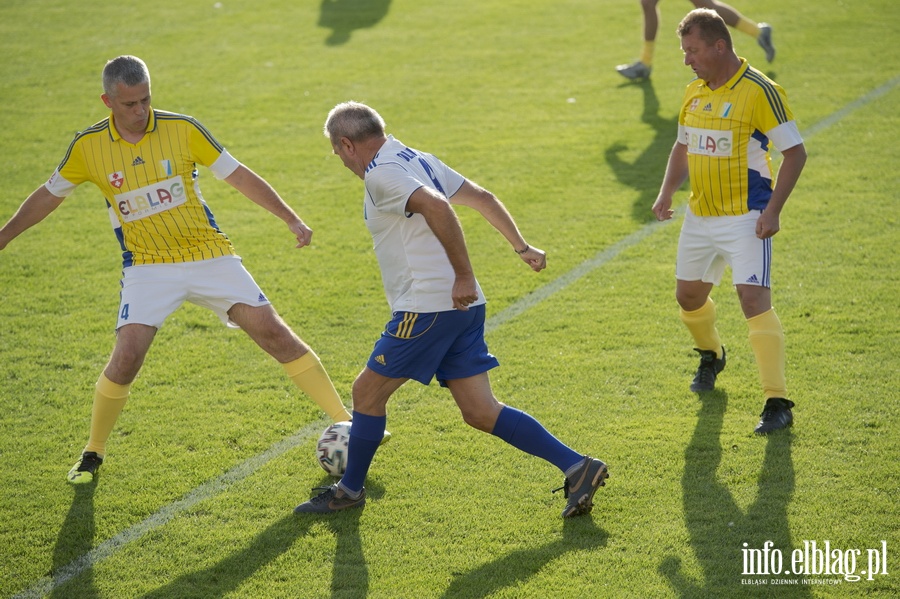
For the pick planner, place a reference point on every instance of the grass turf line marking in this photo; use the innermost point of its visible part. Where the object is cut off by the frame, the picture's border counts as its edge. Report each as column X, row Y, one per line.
column 207, row 490
column 166, row 513
column 566, row 279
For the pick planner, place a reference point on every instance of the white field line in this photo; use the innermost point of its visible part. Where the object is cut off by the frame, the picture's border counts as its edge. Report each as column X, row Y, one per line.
column 46, row 585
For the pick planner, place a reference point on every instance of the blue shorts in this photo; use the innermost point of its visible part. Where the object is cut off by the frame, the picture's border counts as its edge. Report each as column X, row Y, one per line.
column 420, row 346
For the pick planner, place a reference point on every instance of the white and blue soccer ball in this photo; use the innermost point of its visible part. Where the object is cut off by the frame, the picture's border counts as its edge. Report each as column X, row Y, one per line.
column 331, row 450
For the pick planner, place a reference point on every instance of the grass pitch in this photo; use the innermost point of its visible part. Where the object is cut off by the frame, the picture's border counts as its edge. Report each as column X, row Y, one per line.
column 216, row 446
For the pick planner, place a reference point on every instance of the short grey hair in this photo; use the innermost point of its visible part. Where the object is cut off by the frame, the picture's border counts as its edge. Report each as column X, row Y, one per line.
column 710, row 26
column 127, row 70
column 353, row 120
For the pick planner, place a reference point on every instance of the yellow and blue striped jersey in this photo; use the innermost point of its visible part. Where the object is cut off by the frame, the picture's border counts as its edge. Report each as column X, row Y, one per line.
column 151, row 187
column 728, row 133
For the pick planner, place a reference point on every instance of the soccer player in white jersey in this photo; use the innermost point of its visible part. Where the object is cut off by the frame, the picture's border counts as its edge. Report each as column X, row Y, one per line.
column 144, row 162
column 730, row 117
column 437, row 329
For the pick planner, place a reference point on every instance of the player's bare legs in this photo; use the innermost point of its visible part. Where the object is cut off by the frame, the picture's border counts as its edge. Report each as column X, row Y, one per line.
column 132, row 344
column 640, row 69
column 371, row 392
column 691, row 295
column 269, row 331
column 476, row 401
column 110, row 394
column 650, row 9
column 302, row 365
column 754, row 299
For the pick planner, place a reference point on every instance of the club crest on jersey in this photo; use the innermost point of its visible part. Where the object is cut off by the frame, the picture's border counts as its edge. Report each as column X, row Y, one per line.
column 166, row 167
column 116, row 179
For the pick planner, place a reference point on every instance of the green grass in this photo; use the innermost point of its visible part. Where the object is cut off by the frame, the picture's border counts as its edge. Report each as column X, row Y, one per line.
column 603, row 362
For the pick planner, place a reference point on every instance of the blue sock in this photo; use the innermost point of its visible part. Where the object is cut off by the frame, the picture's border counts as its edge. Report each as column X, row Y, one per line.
column 366, row 434
column 524, row 432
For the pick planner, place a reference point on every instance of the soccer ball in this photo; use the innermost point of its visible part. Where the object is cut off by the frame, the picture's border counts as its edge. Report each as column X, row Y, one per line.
column 331, row 450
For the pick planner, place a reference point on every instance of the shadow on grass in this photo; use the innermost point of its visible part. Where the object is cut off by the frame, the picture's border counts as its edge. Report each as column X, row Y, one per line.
column 645, row 174
column 344, row 17
column 350, row 576
column 228, row 574
column 75, row 540
column 578, row 534
column 716, row 525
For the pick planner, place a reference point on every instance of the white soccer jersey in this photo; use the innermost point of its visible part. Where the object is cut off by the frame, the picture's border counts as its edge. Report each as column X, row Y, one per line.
column 415, row 271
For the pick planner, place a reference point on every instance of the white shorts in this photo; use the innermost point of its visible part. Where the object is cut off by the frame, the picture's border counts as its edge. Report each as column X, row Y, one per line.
column 151, row 292
column 708, row 243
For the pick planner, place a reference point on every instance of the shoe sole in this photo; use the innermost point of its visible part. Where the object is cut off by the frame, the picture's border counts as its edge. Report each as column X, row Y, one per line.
column 586, row 503
column 329, row 509
column 633, row 77
column 80, row 478
column 772, row 430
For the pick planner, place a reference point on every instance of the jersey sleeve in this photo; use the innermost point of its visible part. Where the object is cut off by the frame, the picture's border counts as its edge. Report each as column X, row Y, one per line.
column 70, row 173
column 59, row 185
column 224, row 165
column 785, row 136
column 205, row 149
column 682, row 115
column 453, row 180
column 389, row 185
column 771, row 109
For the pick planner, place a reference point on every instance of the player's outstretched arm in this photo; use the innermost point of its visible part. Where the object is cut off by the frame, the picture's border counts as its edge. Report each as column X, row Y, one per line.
column 33, row 210
column 493, row 211
column 258, row 190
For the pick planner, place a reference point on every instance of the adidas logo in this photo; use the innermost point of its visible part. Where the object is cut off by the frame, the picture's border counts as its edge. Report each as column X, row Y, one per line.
column 262, row 298
column 753, row 279
column 708, row 107
column 137, row 161
column 380, row 359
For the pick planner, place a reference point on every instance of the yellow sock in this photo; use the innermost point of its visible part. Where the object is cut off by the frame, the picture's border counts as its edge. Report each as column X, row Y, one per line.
column 647, row 52
column 109, row 399
column 309, row 375
column 702, row 325
column 747, row 26
column 767, row 341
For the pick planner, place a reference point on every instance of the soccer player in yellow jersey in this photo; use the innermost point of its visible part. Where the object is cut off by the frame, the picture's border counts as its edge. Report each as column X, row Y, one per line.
column 730, row 117
column 145, row 163
column 640, row 69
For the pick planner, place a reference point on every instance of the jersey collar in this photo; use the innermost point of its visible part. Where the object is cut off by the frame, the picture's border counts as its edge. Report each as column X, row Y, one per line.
column 114, row 133
column 740, row 73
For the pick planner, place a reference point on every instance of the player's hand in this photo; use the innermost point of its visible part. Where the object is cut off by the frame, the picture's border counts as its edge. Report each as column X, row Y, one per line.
column 534, row 257
column 662, row 208
column 464, row 292
column 302, row 233
column 767, row 225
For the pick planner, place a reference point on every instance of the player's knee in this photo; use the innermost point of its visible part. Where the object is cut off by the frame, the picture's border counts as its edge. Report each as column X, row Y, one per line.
column 480, row 418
